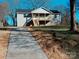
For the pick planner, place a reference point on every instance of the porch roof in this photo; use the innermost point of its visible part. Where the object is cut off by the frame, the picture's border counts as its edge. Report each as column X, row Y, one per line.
column 45, row 11
column 40, row 10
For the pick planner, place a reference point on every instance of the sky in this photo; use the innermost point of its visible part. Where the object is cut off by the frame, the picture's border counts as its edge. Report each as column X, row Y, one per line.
column 27, row 4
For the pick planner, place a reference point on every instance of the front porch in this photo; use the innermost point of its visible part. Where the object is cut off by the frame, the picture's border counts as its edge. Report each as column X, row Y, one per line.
column 41, row 19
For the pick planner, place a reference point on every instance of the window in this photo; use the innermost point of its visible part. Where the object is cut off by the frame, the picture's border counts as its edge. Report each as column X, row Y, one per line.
column 35, row 15
column 55, row 16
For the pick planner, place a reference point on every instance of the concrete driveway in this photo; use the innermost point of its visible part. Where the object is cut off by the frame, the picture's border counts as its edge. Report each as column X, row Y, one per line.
column 22, row 45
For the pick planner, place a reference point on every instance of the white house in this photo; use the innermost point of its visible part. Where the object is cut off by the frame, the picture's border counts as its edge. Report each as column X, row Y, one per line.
column 44, row 17
column 38, row 17
column 20, row 17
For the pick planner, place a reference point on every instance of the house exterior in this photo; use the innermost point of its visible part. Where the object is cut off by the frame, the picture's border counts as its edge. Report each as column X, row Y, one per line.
column 21, row 18
column 1, row 21
column 44, row 17
column 1, row 24
column 38, row 17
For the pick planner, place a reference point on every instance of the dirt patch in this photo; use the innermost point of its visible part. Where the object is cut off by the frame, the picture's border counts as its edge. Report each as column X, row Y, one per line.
column 58, row 45
column 4, row 36
column 51, row 46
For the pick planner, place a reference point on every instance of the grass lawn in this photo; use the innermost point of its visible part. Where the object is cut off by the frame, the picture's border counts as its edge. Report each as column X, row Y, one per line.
column 53, row 27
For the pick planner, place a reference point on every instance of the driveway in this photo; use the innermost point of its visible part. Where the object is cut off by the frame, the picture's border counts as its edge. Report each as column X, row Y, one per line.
column 22, row 45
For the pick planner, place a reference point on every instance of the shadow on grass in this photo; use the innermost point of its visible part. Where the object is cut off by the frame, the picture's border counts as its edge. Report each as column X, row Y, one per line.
column 4, row 28
column 59, row 31
column 13, row 29
column 65, row 32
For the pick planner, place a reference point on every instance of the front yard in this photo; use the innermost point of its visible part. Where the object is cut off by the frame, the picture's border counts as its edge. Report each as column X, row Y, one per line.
column 57, row 42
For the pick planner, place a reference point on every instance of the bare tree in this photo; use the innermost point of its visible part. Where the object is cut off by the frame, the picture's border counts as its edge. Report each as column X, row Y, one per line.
column 73, row 21
column 3, row 11
column 13, row 10
column 38, row 3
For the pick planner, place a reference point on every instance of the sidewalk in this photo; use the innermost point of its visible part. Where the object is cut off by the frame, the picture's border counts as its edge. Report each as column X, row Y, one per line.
column 4, row 36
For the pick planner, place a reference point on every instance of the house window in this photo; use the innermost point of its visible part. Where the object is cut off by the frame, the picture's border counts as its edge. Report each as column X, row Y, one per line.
column 42, row 22
column 35, row 15
column 55, row 16
column 25, row 15
column 47, row 14
column 41, row 15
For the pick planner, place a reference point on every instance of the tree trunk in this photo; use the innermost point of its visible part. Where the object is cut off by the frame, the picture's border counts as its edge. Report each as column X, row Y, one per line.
column 72, row 12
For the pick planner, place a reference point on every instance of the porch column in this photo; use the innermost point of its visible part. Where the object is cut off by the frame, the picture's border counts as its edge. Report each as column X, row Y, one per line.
column 33, row 19
column 38, row 19
column 45, row 18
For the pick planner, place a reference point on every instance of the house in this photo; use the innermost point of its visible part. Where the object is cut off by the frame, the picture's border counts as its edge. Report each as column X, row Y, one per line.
column 1, row 21
column 21, row 18
column 44, row 17
column 37, row 17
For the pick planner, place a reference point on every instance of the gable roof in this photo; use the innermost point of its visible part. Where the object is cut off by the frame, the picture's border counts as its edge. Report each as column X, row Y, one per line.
column 23, row 11
column 44, row 10
column 40, row 10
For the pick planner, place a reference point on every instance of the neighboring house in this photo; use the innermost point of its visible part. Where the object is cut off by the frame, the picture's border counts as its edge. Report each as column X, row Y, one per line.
column 44, row 17
column 1, row 24
column 1, row 21
column 21, row 17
